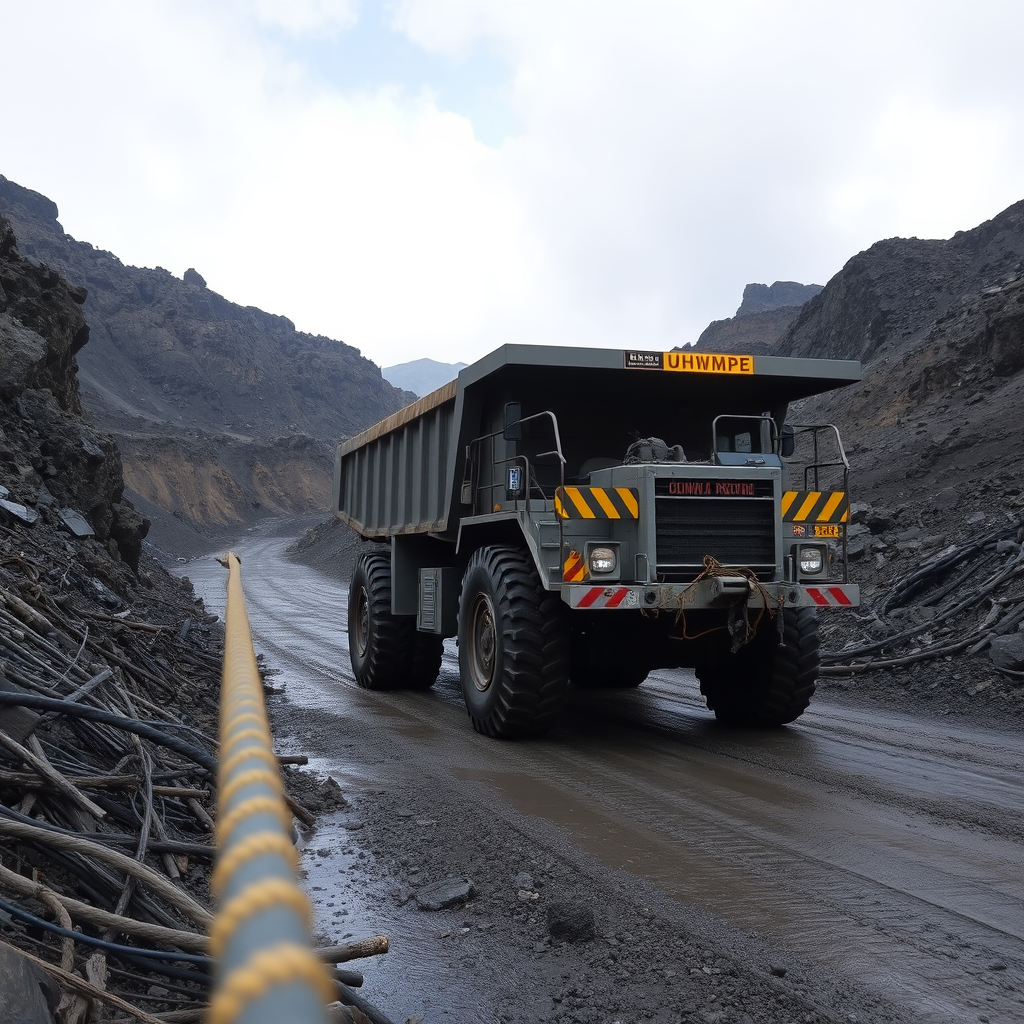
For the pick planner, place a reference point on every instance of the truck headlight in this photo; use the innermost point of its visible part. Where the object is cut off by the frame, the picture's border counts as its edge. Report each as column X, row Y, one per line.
column 811, row 559
column 602, row 561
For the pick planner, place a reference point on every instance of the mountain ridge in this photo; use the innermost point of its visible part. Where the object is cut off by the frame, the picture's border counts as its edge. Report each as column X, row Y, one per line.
column 168, row 356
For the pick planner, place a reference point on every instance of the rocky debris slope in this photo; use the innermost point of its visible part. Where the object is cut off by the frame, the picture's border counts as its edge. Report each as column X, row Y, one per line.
column 168, row 357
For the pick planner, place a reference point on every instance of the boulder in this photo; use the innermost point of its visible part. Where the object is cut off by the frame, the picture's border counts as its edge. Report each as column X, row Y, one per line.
column 1008, row 652
column 445, row 893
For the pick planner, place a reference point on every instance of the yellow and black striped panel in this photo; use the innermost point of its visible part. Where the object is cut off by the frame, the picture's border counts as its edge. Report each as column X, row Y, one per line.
column 575, row 568
column 597, row 503
column 815, row 507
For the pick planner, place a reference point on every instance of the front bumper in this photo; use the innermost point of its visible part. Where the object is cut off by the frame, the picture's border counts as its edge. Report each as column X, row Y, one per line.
column 716, row 592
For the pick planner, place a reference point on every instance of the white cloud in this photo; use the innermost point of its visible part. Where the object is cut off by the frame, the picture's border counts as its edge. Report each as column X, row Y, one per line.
column 666, row 154
column 306, row 17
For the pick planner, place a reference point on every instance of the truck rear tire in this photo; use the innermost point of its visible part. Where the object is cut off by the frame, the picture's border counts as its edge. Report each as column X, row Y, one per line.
column 513, row 645
column 766, row 682
column 379, row 643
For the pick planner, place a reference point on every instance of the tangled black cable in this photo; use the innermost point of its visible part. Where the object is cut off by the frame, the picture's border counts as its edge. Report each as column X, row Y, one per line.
column 90, row 714
column 129, row 952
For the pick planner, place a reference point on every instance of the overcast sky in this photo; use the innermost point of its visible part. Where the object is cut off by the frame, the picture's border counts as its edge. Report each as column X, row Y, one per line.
column 438, row 177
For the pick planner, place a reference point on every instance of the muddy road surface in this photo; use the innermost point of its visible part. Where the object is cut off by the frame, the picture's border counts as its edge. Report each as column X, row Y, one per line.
column 858, row 866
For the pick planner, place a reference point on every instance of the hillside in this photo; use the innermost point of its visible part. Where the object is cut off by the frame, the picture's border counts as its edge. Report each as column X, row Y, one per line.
column 939, row 326
column 233, row 386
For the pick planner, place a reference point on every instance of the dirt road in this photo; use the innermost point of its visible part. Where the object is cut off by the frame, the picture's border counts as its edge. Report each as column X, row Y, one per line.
column 856, row 866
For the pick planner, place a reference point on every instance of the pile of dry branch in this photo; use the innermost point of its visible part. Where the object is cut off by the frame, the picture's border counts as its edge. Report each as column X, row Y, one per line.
column 107, row 775
column 956, row 602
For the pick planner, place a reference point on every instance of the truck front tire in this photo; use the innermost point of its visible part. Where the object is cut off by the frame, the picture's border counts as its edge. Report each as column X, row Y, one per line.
column 513, row 645
column 379, row 643
column 767, row 682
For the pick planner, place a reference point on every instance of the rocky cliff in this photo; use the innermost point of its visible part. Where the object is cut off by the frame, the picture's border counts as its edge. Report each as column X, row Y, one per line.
column 51, row 463
column 168, row 357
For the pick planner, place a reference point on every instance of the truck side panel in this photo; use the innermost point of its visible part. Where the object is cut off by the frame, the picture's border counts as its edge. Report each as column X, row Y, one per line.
column 393, row 478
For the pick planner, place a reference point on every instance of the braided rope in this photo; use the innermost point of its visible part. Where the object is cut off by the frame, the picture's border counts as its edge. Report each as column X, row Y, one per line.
column 275, row 892
column 282, row 964
column 249, row 849
column 254, row 805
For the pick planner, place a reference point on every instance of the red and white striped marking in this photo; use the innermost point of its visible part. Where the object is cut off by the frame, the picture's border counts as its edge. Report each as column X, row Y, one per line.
column 830, row 597
column 600, row 597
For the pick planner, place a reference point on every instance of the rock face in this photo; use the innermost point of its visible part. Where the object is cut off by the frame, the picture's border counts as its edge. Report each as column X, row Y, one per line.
column 42, row 330
column 48, row 457
column 764, row 316
column 753, row 333
column 760, row 298
column 167, row 357
column 901, row 288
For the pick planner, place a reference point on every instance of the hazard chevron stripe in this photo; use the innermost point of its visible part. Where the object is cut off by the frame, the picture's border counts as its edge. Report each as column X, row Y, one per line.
column 815, row 507
column 829, row 596
column 575, row 568
column 597, row 503
column 602, row 597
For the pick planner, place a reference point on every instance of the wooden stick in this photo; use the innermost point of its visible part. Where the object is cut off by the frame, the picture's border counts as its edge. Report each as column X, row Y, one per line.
column 373, row 946
column 146, row 627
column 28, row 780
column 47, row 771
column 27, row 614
column 200, row 812
column 181, row 791
column 307, row 817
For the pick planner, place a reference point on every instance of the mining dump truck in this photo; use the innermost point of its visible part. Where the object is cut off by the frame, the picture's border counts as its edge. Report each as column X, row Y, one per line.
column 580, row 517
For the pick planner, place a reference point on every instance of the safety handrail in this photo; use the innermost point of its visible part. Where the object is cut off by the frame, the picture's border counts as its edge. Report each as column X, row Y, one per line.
column 266, row 970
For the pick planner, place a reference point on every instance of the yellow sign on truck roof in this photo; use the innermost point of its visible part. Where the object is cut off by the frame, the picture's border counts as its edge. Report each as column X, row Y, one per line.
column 689, row 362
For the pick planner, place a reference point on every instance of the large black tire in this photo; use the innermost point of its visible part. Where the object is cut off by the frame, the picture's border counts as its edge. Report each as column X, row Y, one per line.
column 379, row 644
column 766, row 682
column 425, row 664
column 513, row 645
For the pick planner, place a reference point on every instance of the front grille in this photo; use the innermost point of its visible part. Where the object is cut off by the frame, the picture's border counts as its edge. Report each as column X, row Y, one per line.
column 735, row 531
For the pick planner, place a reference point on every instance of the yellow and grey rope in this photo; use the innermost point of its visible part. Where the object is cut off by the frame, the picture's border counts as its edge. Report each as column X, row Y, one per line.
column 266, row 972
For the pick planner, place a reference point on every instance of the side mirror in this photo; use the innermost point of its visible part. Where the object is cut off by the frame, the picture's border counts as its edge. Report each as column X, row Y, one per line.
column 513, row 428
column 787, row 441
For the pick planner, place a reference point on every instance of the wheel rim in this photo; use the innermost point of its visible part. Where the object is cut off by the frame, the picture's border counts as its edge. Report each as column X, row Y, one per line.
column 483, row 641
column 362, row 622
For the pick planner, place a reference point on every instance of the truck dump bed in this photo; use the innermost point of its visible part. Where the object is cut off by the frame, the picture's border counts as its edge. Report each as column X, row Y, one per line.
column 404, row 475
